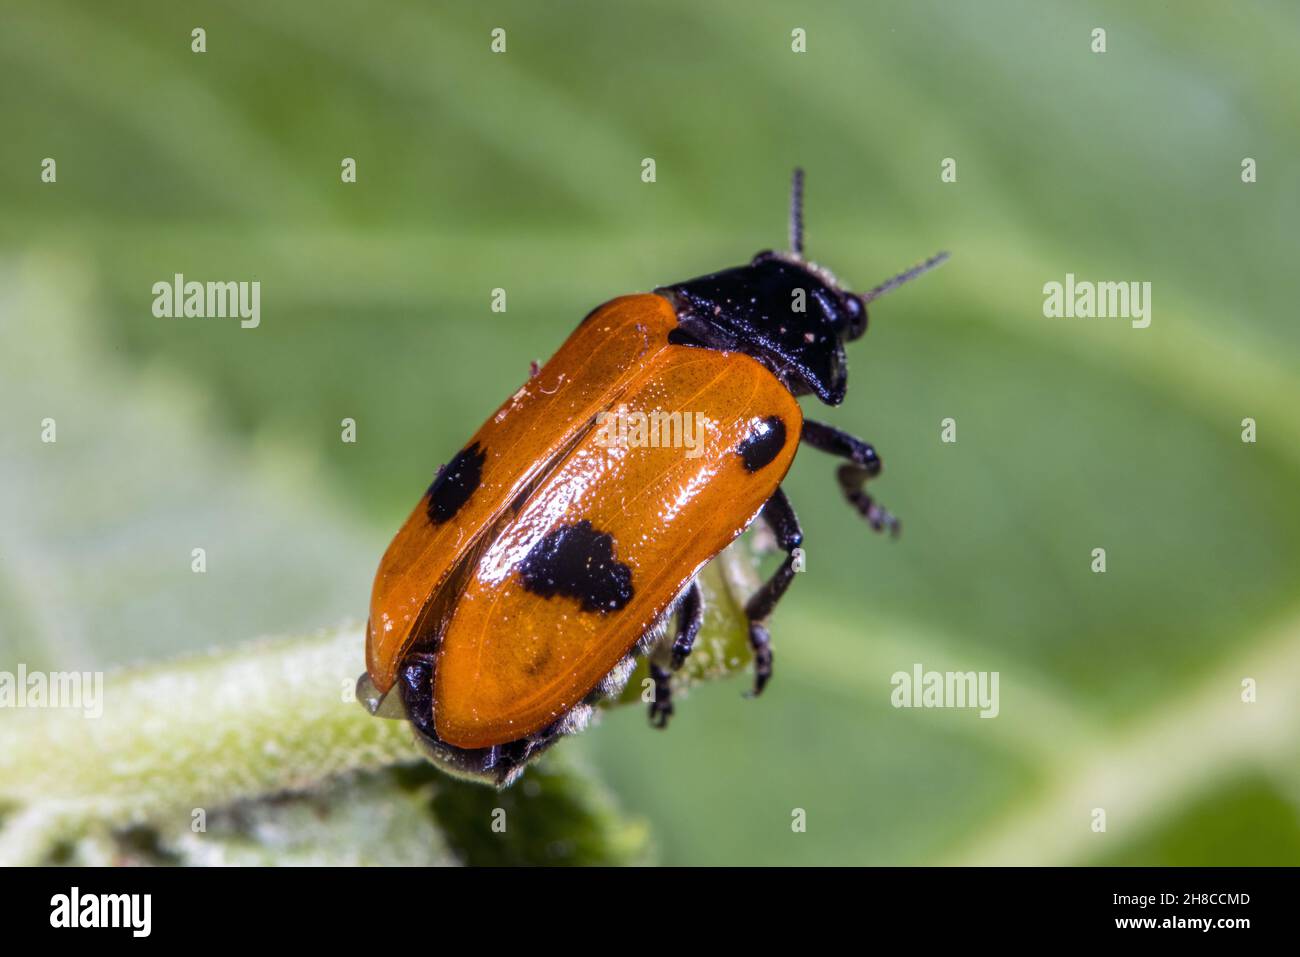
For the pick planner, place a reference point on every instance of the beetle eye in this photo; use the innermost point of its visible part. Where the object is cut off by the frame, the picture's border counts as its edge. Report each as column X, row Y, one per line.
column 856, row 311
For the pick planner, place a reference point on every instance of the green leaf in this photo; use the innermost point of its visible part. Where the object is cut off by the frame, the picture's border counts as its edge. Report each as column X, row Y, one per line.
column 520, row 171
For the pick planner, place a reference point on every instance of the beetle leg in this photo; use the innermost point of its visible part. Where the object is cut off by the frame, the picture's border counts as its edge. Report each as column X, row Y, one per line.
column 661, row 708
column 780, row 517
column 690, row 616
column 863, row 464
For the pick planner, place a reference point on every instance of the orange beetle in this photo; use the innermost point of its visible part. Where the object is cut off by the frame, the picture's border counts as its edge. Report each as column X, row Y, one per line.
column 566, row 535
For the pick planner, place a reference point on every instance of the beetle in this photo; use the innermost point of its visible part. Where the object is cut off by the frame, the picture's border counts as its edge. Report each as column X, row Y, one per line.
column 544, row 558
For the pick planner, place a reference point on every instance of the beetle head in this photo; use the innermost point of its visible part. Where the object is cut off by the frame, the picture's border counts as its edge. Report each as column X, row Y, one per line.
column 791, row 314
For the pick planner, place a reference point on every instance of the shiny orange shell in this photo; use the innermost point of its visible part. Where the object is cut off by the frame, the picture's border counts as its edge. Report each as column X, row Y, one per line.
column 515, row 654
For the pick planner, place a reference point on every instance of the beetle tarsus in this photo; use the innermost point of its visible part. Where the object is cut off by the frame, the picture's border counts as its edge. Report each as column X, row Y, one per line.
column 761, row 643
column 878, row 517
column 661, row 708
column 862, row 466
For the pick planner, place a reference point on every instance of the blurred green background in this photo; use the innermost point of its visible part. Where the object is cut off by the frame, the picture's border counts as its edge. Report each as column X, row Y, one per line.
column 522, row 171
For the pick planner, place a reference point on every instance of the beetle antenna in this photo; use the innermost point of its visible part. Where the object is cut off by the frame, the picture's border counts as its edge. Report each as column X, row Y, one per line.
column 796, row 213
column 893, row 283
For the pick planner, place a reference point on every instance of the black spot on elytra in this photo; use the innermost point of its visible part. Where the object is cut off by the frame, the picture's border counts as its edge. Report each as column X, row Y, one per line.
column 577, row 561
column 455, row 483
column 762, row 444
